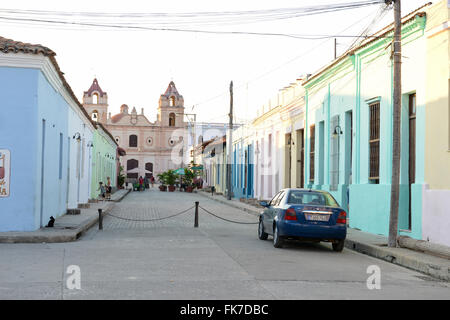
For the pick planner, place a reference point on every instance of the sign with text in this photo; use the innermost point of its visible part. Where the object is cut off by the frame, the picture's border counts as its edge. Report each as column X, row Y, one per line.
column 5, row 172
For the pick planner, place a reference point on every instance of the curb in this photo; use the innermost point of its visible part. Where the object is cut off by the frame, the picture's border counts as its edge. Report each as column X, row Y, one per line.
column 60, row 236
column 436, row 271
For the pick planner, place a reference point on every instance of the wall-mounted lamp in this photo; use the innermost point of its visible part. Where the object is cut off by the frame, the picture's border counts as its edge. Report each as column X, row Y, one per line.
column 337, row 131
column 77, row 136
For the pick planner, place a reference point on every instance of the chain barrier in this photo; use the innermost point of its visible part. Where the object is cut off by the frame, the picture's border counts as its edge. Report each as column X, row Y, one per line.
column 232, row 221
column 149, row 220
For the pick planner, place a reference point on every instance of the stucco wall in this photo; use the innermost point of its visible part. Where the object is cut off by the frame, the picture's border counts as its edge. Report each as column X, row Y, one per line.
column 18, row 134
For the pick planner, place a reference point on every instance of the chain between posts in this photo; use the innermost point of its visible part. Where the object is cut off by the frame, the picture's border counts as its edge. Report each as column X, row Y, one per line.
column 149, row 220
column 232, row 221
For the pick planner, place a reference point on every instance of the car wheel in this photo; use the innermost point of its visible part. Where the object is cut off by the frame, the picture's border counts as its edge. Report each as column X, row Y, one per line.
column 338, row 246
column 277, row 241
column 261, row 234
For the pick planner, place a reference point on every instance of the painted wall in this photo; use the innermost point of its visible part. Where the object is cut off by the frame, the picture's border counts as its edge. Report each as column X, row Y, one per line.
column 436, row 194
column 51, row 187
column 341, row 96
column 18, row 134
column 80, row 164
column 103, row 161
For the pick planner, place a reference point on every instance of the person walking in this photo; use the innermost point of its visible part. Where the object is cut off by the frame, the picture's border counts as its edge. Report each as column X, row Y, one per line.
column 102, row 190
column 141, row 183
column 108, row 188
column 146, row 183
column 152, row 180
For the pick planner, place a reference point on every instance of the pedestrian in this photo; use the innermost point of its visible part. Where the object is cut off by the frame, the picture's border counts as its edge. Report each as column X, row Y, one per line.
column 102, row 190
column 146, row 182
column 152, row 180
column 141, row 183
column 108, row 188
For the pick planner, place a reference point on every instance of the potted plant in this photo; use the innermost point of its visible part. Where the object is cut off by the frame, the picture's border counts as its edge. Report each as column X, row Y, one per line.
column 188, row 179
column 170, row 179
column 162, row 180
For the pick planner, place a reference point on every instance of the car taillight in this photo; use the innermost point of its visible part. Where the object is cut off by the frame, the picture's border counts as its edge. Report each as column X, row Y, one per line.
column 342, row 217
column 290, row 214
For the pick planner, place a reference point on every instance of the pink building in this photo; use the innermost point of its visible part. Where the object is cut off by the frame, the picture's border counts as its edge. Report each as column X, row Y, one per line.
column 151, row 147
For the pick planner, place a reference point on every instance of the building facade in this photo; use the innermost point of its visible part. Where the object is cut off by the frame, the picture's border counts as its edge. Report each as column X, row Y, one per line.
column 45, row 135
column 151, row 147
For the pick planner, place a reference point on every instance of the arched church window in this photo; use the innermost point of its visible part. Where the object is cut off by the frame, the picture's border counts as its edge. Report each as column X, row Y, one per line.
column 94, row 115
column 172, row 120
column 133, row 142
column 172, row 101
column 95, row 98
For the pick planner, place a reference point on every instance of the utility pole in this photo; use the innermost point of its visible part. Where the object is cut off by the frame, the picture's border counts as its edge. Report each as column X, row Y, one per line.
column 397, row 55
column 230, row 143
column 335, row 48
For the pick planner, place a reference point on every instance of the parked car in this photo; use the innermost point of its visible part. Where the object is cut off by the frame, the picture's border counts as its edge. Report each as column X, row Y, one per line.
column 303, row 214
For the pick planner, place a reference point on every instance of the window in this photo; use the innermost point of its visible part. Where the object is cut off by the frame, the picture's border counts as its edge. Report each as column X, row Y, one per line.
column 117, row 139
column 172, row 119
column 312, row 147
column 132, row 164
column 172, row 101
column 280, row 197
column 133, row 141
column 94, row 115
column 95, row 98
column 311, row 198
column 274, row 199
column 149, row 141
column 374, row 142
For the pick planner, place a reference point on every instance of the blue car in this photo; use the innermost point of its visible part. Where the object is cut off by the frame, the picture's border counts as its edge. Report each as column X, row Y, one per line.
column 303, row 214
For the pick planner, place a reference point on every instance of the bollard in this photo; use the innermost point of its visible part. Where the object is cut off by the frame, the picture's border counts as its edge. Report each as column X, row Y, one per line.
column 100, row 219
column 196, row 215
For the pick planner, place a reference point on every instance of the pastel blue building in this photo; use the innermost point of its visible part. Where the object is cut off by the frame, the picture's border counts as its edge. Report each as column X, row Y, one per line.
column 34, row 116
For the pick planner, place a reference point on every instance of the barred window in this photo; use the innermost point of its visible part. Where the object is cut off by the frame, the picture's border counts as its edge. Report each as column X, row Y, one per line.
column 312, row 146
column 374, row 142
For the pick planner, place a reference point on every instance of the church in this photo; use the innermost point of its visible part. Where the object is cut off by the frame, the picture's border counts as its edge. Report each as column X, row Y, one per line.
column 151, row 147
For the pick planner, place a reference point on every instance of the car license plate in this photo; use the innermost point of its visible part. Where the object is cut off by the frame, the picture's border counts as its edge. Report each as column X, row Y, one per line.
column 317, row 217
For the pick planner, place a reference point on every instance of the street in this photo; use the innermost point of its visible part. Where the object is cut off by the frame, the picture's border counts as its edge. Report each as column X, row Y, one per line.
column 170, row 259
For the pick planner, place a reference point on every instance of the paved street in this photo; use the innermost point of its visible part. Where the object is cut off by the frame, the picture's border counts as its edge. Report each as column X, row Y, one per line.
column 170, row 259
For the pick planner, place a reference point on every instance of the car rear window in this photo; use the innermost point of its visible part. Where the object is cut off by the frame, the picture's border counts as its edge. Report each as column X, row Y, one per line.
column 311, row 198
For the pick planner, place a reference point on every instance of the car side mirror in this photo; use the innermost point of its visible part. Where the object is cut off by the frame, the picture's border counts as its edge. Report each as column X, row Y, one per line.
column 264, row 204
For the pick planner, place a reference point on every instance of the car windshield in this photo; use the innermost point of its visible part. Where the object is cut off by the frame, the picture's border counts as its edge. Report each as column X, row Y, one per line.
column 311, row 198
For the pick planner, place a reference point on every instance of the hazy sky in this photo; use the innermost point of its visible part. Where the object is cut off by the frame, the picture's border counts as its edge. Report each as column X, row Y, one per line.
column 135, row 67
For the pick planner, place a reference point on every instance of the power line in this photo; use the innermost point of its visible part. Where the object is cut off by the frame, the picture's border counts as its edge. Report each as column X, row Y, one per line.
column 176, row 21
column 289, row 61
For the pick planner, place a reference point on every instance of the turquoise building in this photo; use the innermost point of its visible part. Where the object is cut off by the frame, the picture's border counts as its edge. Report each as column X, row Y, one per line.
column 349, row 123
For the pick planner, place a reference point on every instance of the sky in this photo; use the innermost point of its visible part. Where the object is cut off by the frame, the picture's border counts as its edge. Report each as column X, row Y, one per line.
column 135, row 67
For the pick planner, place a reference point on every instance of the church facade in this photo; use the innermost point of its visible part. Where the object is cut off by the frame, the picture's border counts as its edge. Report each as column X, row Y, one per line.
column 151, row 147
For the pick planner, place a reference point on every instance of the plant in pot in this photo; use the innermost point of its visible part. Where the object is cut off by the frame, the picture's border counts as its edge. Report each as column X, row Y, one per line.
column 170, row 180
column 189, row 179
column 162, row 180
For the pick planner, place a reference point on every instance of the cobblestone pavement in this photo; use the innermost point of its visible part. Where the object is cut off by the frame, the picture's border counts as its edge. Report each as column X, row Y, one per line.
column 153, row 204
column 170, row 259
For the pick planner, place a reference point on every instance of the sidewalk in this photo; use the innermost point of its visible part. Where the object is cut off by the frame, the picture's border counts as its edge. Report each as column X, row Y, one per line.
column 67, row 227
column 373, row 245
